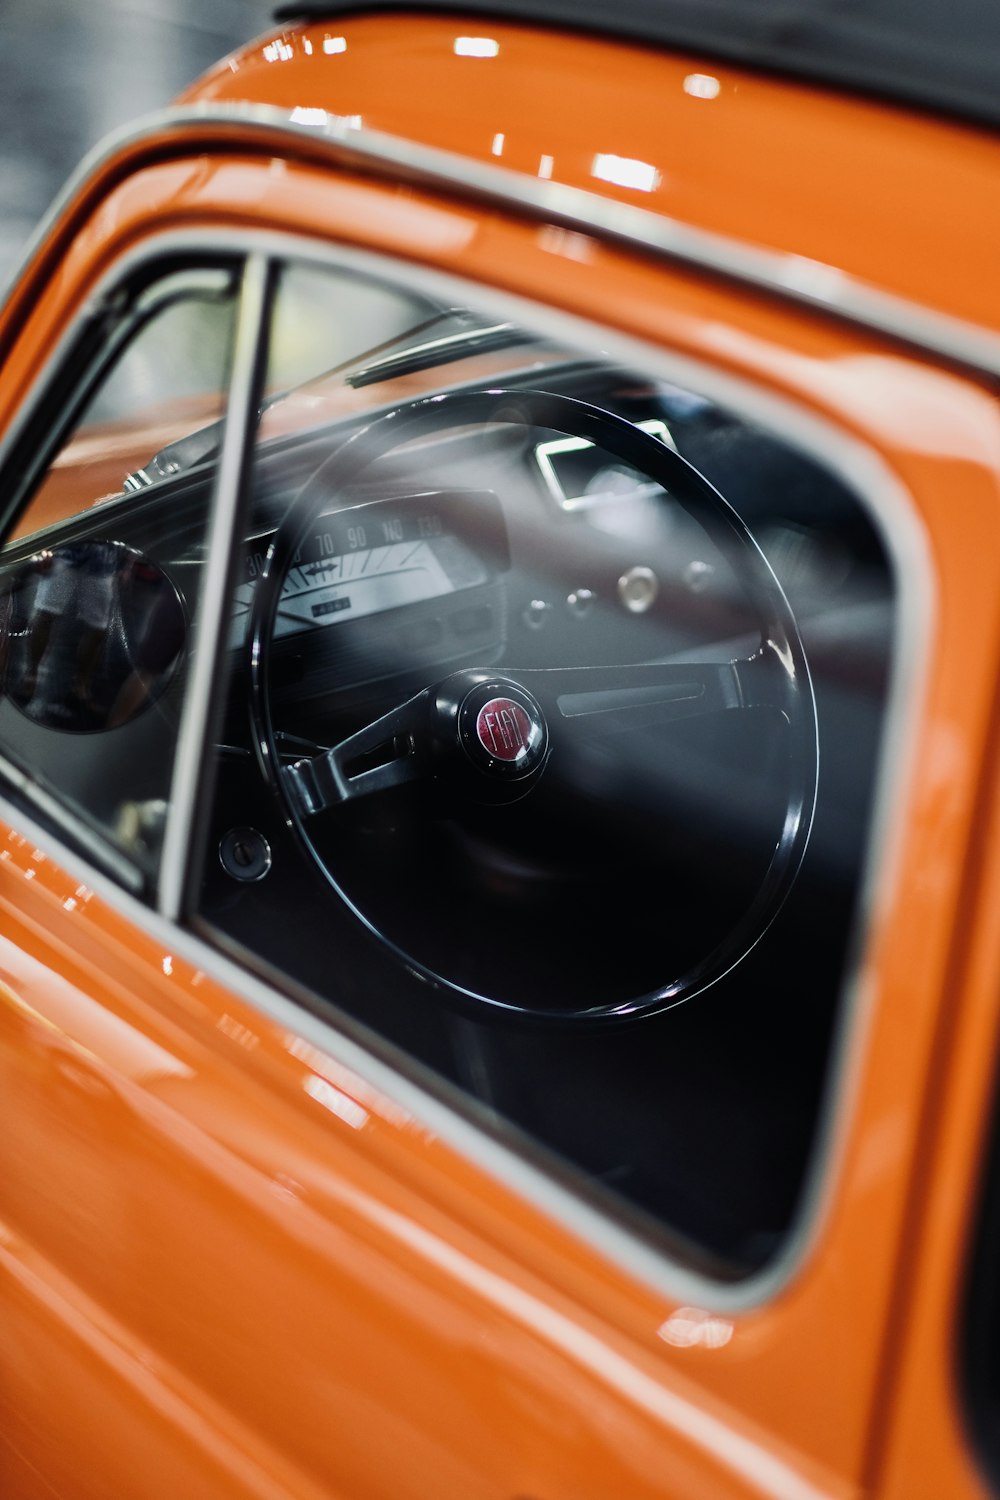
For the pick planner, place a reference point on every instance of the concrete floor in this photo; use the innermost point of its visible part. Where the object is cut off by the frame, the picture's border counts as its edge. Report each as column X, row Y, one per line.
column 71, row 70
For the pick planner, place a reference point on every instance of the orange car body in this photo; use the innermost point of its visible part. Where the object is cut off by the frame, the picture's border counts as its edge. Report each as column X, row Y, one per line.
column 212, row 1285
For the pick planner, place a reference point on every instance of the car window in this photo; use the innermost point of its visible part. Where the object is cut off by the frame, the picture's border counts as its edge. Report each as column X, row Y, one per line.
column 99, row 582
column 322, row 322
column 555, row 695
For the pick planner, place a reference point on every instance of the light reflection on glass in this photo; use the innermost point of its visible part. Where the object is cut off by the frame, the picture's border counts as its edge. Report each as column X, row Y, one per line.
column 476, row 46
column 625, row 171
column 702, row 86
column 497, row 146
column 545, row 165
column 334, row 44
column 92, row 633
column 784, row 654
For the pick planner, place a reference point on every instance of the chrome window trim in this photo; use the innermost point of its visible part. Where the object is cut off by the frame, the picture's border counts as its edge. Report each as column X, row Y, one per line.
column 893, row 512
column 822, row 287
column 878, row 489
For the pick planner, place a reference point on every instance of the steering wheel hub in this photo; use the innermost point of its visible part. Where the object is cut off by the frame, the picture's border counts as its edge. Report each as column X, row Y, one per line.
column 502, row 730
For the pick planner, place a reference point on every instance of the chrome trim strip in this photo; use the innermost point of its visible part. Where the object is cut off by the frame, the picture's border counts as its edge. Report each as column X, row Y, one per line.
column 894, row 514
column 809, row 283
column 213, row 598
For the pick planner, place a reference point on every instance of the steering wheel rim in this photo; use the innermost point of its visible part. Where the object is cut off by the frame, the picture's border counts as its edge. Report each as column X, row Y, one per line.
column 781, row 656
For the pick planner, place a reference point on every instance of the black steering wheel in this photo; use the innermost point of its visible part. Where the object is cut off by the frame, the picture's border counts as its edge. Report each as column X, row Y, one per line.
column 521, row 838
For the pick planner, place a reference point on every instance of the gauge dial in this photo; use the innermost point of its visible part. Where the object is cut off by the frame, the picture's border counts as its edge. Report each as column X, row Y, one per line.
column 372, row 579
column 380, row 556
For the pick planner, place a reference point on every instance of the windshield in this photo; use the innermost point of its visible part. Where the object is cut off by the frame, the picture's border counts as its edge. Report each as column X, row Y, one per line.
column 447, row 336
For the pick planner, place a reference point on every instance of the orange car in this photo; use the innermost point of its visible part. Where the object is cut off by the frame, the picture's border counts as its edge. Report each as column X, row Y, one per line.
column 500, row 954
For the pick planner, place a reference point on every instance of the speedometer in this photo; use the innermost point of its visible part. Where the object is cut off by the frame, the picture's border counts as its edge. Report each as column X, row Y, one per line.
column 347, row 585
column 381, row 556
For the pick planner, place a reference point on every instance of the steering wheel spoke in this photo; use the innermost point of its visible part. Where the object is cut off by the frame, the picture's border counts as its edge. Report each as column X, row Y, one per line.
column 670, row 690
column 389, row 752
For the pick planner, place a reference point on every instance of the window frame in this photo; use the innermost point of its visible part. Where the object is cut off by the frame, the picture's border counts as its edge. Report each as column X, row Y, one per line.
column 173, row 914
column 105, row 328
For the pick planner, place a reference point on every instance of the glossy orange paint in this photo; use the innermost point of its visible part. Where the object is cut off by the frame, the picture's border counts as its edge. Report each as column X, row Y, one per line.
column 885, row 195
column 351, row 1270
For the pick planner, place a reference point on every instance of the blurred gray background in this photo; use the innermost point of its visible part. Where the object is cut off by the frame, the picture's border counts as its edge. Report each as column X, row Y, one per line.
column 71, row 70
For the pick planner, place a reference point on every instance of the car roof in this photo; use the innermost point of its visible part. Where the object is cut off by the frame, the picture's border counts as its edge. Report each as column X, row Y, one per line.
column 940, row 55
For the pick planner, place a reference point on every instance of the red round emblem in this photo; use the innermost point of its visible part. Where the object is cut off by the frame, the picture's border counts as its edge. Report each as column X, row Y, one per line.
column 504, row 729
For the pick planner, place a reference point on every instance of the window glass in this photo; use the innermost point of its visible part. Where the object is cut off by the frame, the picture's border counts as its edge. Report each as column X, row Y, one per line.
column 99, row 583
column 570, row 683
column 322, row 321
